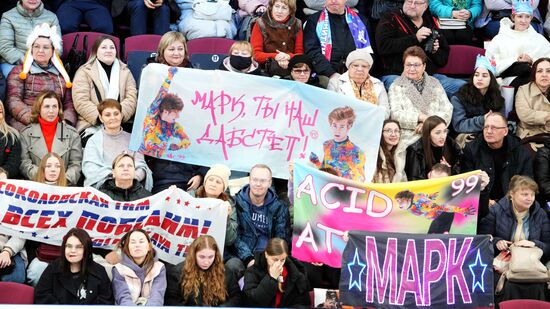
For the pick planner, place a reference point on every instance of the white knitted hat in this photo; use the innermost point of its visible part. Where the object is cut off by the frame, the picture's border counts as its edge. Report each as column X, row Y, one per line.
column 45, row 31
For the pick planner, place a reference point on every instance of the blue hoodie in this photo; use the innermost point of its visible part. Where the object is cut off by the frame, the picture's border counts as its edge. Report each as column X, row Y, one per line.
column 248, row 238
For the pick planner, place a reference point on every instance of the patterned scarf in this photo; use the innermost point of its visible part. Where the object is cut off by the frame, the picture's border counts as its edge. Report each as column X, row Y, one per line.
column 356, row 26
column 365, row 91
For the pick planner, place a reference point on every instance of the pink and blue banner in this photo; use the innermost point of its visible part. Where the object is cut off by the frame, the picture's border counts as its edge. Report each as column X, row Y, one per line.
column 240, row 120
column 326, row 206
column 395, row 270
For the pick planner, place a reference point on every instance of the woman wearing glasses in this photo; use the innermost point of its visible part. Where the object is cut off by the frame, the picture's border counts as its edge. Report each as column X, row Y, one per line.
column 74, row 278
column 301, row 70
column 388, row 168
column 415, row 96
column 435, row 146
column 358, row 83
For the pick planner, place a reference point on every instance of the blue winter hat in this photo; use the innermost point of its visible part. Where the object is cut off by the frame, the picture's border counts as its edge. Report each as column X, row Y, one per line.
column 486, row 63
column 522, row 6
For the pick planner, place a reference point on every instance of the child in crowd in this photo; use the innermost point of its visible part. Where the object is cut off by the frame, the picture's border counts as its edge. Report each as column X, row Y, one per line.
column 340, row 153
column 161, row 129
column 74, row 278
column 140, row 279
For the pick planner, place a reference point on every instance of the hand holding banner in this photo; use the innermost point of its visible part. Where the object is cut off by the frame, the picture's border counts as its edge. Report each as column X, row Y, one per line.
column 325, row 206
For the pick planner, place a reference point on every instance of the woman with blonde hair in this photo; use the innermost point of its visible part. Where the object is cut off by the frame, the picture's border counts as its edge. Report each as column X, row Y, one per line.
column 49, row 133
column 139, row 279
column 203, row 280
column 172, row 50
column 241, row 59
column 518, row 219
column 51, row 171
column 103, row 77
column 10, row 148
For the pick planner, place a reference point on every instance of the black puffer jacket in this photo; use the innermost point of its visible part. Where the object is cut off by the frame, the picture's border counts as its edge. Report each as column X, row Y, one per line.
column 260, row 288
column 136, row 192
column 415, row 166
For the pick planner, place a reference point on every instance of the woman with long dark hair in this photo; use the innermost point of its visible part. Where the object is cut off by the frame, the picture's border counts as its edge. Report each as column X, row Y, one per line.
column 476, row 99
column 140, row 279
column 74, row 278
column 434, row 146
column 532, row 103
column 276, row 279
column 203, row 280
column 387, row 170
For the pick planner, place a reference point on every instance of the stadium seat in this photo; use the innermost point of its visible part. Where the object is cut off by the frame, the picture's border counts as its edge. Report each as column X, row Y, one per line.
column 136, row 61
column 145, row 42
column 209, row 46
column 68, row 40
column 206, row 61
column 524, row 303
column 462, row 59
column 16, row 293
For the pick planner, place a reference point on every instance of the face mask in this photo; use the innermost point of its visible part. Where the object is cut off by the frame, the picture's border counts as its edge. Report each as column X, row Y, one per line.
column 239, row 62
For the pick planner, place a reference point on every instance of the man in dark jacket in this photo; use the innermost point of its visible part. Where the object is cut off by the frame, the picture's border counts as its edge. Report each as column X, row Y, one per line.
column 331, row 34
column 500, row 156
column 96, row 13
column 412, row 26
column 261, row 216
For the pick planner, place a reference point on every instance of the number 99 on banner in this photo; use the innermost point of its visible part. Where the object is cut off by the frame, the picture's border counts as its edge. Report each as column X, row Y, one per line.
column 460, row 185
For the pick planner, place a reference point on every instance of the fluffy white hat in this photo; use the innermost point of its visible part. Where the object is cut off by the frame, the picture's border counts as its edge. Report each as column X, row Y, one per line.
column 50, row 32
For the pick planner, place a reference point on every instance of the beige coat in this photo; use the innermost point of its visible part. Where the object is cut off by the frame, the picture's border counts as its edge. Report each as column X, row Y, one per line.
column 86, row 101
column 66, row 144
column 532, row 108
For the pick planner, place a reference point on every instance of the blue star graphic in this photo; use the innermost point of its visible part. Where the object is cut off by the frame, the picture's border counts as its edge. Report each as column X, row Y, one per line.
column 34, row 234
column 355, row 264
column 477, row 264
column 46, row 237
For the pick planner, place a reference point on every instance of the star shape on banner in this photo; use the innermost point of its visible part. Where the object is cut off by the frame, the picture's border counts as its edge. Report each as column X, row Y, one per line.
column 478, row 264
column 354, row 265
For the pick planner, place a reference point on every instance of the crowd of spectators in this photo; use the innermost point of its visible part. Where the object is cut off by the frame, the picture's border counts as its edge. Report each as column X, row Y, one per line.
column 65, row 132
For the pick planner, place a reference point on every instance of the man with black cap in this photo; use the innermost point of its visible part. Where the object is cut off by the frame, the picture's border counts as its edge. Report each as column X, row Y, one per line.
column 301, row 70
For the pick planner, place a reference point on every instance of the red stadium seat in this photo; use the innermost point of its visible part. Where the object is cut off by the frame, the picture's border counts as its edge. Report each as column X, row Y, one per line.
column 16, row 293
column 209, row 46
column 68, row 40
column 462, row 59
column 145, row 42
column 524, row 303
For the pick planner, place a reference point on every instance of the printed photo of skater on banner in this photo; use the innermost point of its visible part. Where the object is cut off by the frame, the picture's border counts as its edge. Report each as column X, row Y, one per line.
column 325, row 206
column 208, row 117
column 396, row 270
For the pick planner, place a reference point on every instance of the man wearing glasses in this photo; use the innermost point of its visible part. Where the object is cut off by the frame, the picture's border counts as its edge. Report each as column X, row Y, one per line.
column 261, row 216
column 410, row 26
column 499, row 156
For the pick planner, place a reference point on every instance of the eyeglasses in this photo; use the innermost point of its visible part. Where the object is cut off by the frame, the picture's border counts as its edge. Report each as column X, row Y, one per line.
column 77, row 247
column 413, row 65
column 390, row 131
column 300, row 72
column 413, row 3
column 492, row 128
column 259, row 181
